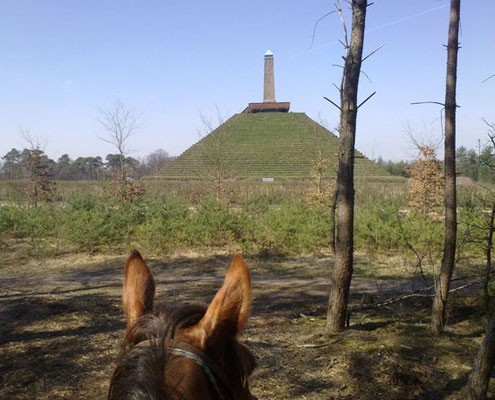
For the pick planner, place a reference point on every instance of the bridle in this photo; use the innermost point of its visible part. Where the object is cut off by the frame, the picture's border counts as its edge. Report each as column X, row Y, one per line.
column 212, row 370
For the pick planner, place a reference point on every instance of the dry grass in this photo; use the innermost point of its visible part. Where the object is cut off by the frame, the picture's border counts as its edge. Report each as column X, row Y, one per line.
column 62, row 324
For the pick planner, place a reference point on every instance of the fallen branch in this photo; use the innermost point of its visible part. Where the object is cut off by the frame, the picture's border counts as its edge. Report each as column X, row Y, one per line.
column 416, row 293
column 317, row 345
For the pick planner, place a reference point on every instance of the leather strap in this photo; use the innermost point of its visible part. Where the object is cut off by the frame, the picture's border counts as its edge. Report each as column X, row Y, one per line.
column 212, row 365
column 211, row 368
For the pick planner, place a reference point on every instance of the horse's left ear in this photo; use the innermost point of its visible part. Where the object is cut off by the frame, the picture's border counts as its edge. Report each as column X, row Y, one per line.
column 139, row 288
column 229, row 310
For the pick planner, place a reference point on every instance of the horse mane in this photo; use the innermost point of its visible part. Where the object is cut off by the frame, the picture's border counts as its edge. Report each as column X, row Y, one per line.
column 140, row 370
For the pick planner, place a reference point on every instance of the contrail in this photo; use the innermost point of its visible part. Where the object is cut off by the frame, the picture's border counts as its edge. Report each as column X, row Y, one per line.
column 408, row 18
column 370, row 30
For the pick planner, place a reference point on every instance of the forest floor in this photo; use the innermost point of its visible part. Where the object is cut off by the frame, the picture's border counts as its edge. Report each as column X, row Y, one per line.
column 62, row 324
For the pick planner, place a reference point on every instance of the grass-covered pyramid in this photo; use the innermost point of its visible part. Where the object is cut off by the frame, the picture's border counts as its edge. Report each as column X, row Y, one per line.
column 265, row 145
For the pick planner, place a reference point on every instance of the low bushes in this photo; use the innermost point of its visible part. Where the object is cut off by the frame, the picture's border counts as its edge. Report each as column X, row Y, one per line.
column 92, row 223
column 96, row 223
column 165, row 225
column 257, row 227
column 28, row 222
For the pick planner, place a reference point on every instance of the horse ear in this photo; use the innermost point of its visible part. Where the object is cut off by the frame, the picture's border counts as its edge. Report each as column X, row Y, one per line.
column 229, row 309
column 139, row 288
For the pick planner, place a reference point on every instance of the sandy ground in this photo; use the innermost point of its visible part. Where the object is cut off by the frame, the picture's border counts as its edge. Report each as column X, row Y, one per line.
column 61, row 325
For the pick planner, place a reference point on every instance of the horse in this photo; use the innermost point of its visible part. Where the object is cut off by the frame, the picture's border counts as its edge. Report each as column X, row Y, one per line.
column 183, row 352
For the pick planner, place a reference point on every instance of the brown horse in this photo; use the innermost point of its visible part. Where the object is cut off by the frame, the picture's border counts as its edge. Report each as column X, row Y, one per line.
column 183, row 352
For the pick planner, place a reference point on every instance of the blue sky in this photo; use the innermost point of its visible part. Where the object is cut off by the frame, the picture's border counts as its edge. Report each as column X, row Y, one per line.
column 62, row 60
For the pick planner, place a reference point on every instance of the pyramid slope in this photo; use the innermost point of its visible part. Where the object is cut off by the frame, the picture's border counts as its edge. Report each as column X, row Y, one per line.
column 276, row 145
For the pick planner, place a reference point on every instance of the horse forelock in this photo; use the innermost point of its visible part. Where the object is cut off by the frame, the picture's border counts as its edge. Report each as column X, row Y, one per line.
column 140, row 371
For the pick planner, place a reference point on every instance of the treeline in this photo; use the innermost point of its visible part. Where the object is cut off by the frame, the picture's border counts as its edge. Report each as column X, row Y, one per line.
column 396, row 168
column 478, row 165
column 15, row 165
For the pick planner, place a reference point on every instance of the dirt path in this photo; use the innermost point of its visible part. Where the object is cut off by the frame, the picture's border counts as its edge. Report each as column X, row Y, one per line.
column 62, row 324
column 312, row 286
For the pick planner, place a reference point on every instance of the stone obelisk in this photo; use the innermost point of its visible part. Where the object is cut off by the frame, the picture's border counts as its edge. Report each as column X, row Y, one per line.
column 269, row 87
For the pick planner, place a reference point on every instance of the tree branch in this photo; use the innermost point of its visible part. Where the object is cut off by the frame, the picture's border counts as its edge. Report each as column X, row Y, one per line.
column 367, row 98
column 373, row 52
column 330, row 101
column 315, row 26
column 339, row 10
column 428, row 102
column 484, row 80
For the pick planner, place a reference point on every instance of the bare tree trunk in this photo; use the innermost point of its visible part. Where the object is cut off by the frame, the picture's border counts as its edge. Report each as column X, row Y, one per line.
column 488, row 268
column 344, row 246
column 483, row 365
column 448, row 259
column 333, row 207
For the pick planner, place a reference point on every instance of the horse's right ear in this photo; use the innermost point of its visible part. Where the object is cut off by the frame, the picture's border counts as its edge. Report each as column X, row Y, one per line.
column 139, row 288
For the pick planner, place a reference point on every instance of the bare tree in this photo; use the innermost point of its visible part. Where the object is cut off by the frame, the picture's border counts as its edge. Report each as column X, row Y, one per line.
column 491, row 224
column 120, row 122
column 448, row 259
column 214, row 168
column 156, row 161
column 322, row 191
column 41, row 187
column 344, row 247
column 33, row 142
column 488, row 259
column 483, row 364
